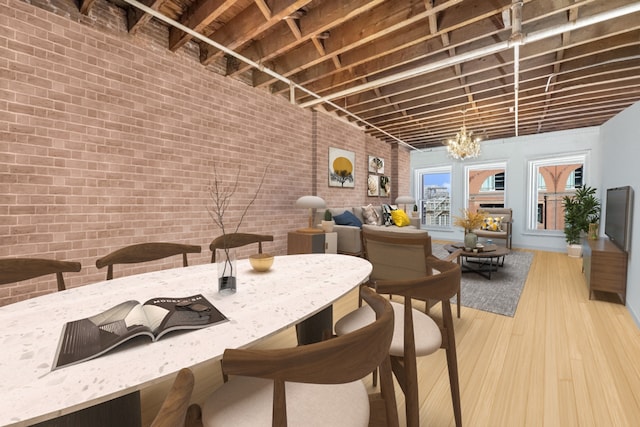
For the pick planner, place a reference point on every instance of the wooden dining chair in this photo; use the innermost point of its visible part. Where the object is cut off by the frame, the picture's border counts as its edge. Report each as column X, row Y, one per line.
column 173, row 412
column 404, row 266
column 144, row 252
column 17, row 269
column 312, row 385
column 236, row 240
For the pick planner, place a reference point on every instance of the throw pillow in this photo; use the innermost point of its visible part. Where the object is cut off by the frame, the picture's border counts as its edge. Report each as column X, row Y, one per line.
column 400, row 218
column 347, row 218
column 492, row 224
column 370, row 215
column 387, row 219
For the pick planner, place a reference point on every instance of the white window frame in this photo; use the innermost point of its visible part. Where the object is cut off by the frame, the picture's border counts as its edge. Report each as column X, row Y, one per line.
column 483, row 166
column 533, row 167
column 418, row 193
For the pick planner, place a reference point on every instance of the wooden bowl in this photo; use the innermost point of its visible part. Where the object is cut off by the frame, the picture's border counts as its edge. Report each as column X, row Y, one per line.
column 261, row 262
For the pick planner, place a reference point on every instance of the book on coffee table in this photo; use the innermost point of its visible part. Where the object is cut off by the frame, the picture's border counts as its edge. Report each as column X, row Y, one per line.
column 91, row 337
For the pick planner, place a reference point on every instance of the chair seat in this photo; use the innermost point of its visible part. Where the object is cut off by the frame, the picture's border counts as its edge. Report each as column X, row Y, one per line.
column 247, row 401
column 428, row 337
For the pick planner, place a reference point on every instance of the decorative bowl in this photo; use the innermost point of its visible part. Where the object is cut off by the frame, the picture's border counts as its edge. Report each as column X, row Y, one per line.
column 261, row 262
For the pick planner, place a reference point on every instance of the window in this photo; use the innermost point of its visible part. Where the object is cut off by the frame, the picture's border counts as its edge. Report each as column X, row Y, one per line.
column 485, row 186
column 434, row 196
column 549, row 181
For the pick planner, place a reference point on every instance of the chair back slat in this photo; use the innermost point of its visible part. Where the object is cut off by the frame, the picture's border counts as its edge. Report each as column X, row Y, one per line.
column 337, row 360
column 236, row 240
column 144, row 252
column 18, row 269
column 397, row 257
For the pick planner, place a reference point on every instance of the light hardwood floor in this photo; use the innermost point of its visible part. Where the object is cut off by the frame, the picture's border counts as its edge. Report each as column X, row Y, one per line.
column 563, row 360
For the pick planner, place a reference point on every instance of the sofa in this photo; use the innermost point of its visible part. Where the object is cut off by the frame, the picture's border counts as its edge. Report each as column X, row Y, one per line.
column 497, row 225
column 349, row 238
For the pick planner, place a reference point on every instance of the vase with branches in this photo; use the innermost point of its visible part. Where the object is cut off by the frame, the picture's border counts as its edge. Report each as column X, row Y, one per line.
column 221, row 194
column 469, row 220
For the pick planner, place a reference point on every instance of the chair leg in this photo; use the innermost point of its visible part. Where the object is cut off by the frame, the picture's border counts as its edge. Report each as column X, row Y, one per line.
column 452, row 362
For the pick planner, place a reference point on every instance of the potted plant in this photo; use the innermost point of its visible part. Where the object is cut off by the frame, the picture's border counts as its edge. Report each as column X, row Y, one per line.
column 580, row 210
column 415, row 211
column 327, row 223
column 469, row 220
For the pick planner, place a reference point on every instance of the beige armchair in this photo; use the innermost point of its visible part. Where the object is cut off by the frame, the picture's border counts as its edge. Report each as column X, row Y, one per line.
column 507, row 221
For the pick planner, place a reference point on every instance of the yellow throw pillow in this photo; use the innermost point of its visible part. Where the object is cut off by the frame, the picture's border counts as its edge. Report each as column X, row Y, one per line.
column 400, row 218
column 492, row 224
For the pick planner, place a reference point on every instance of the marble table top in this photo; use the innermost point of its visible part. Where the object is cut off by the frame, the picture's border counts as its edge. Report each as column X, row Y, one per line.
column 296, row 287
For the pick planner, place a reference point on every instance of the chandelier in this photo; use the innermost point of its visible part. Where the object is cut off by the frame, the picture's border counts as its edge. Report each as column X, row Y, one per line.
column 463, row 146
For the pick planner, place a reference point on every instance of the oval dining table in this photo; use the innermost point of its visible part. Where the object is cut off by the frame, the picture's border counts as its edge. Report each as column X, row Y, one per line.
column 296, row 288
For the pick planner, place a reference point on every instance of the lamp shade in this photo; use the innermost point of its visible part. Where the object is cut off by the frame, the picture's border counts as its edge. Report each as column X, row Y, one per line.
column 311, row 202
column 405, row 200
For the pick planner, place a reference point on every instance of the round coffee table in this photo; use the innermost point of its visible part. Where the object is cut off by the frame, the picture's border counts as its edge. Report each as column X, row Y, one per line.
column 482, row 260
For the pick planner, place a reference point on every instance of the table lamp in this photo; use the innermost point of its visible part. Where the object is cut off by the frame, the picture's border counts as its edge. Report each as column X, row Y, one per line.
column 311, row 203
column 405, row 200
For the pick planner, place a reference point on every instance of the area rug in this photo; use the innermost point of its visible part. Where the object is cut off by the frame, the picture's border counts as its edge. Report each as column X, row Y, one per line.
column 499, row 295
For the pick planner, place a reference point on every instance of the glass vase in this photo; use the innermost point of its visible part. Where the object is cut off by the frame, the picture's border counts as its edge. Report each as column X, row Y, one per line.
column 227, row 272
column 470, row 240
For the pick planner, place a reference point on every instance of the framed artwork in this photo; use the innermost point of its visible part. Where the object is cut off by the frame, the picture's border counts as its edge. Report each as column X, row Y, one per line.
column 373, row 187
column 376, row 164
column 341, row 168
column 385, row 185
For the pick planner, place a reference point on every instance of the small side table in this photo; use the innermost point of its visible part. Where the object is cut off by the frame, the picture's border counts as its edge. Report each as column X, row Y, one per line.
column 312, row 243
column 331, row 243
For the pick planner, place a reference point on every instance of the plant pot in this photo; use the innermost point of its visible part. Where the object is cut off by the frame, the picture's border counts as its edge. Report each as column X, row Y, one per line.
column 327, row 226
column 574, row 250
column 226, row 264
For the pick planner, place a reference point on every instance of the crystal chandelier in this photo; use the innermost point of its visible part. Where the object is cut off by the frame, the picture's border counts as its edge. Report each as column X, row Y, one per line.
column 463, row 146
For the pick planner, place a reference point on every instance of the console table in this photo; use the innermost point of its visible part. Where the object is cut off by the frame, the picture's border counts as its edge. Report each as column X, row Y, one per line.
column 605, row 267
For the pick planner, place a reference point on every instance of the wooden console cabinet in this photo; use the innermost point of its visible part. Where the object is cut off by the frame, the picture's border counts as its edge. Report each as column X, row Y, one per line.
column 605, row 267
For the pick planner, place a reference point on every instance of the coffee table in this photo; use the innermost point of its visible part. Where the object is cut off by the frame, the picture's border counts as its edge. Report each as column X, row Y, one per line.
column 482, row 261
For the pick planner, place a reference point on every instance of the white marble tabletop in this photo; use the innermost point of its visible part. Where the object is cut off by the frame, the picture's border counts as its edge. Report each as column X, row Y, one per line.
column 296, row 287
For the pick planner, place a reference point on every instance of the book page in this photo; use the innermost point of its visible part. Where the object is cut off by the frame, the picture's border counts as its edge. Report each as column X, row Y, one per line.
column 87, row 338
column 171, row 314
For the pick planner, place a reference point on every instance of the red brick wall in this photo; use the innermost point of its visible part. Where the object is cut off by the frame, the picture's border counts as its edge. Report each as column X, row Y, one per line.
column 109, row 139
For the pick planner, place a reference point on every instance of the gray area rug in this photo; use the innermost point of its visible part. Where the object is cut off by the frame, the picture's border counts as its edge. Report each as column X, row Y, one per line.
column 499, row 295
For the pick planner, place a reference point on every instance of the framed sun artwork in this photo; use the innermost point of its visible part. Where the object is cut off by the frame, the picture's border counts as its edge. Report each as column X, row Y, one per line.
column 341, row 168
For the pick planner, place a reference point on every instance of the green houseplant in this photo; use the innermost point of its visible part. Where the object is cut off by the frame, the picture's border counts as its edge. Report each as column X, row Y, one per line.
column 580, row 210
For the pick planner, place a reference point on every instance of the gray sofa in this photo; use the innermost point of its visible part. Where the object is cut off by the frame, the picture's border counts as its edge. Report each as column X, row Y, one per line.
column 349, row 238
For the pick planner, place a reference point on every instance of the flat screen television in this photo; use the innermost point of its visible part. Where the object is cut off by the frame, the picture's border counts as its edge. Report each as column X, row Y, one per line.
column 618, row 216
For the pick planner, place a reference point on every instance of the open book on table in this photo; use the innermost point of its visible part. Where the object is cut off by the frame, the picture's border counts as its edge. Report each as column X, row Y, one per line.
column 87, row 338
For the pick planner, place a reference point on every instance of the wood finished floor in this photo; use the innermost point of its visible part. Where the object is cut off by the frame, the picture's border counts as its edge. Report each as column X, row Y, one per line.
column 563, row 360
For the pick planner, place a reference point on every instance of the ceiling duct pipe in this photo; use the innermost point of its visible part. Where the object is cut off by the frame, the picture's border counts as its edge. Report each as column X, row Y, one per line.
column 292, row 85
column 516, row 39
column 479, row 53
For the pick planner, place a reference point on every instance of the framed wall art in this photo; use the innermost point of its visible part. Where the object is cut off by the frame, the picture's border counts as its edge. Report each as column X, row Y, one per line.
column 341, row 168
column 373, row 186
column 385, row 185
column 376, row 164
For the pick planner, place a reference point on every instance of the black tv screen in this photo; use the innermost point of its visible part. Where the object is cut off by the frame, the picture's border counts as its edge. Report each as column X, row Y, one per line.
column 618, row 216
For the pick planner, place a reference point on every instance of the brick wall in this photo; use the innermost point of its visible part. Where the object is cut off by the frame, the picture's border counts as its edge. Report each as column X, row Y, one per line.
column 109, row 139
